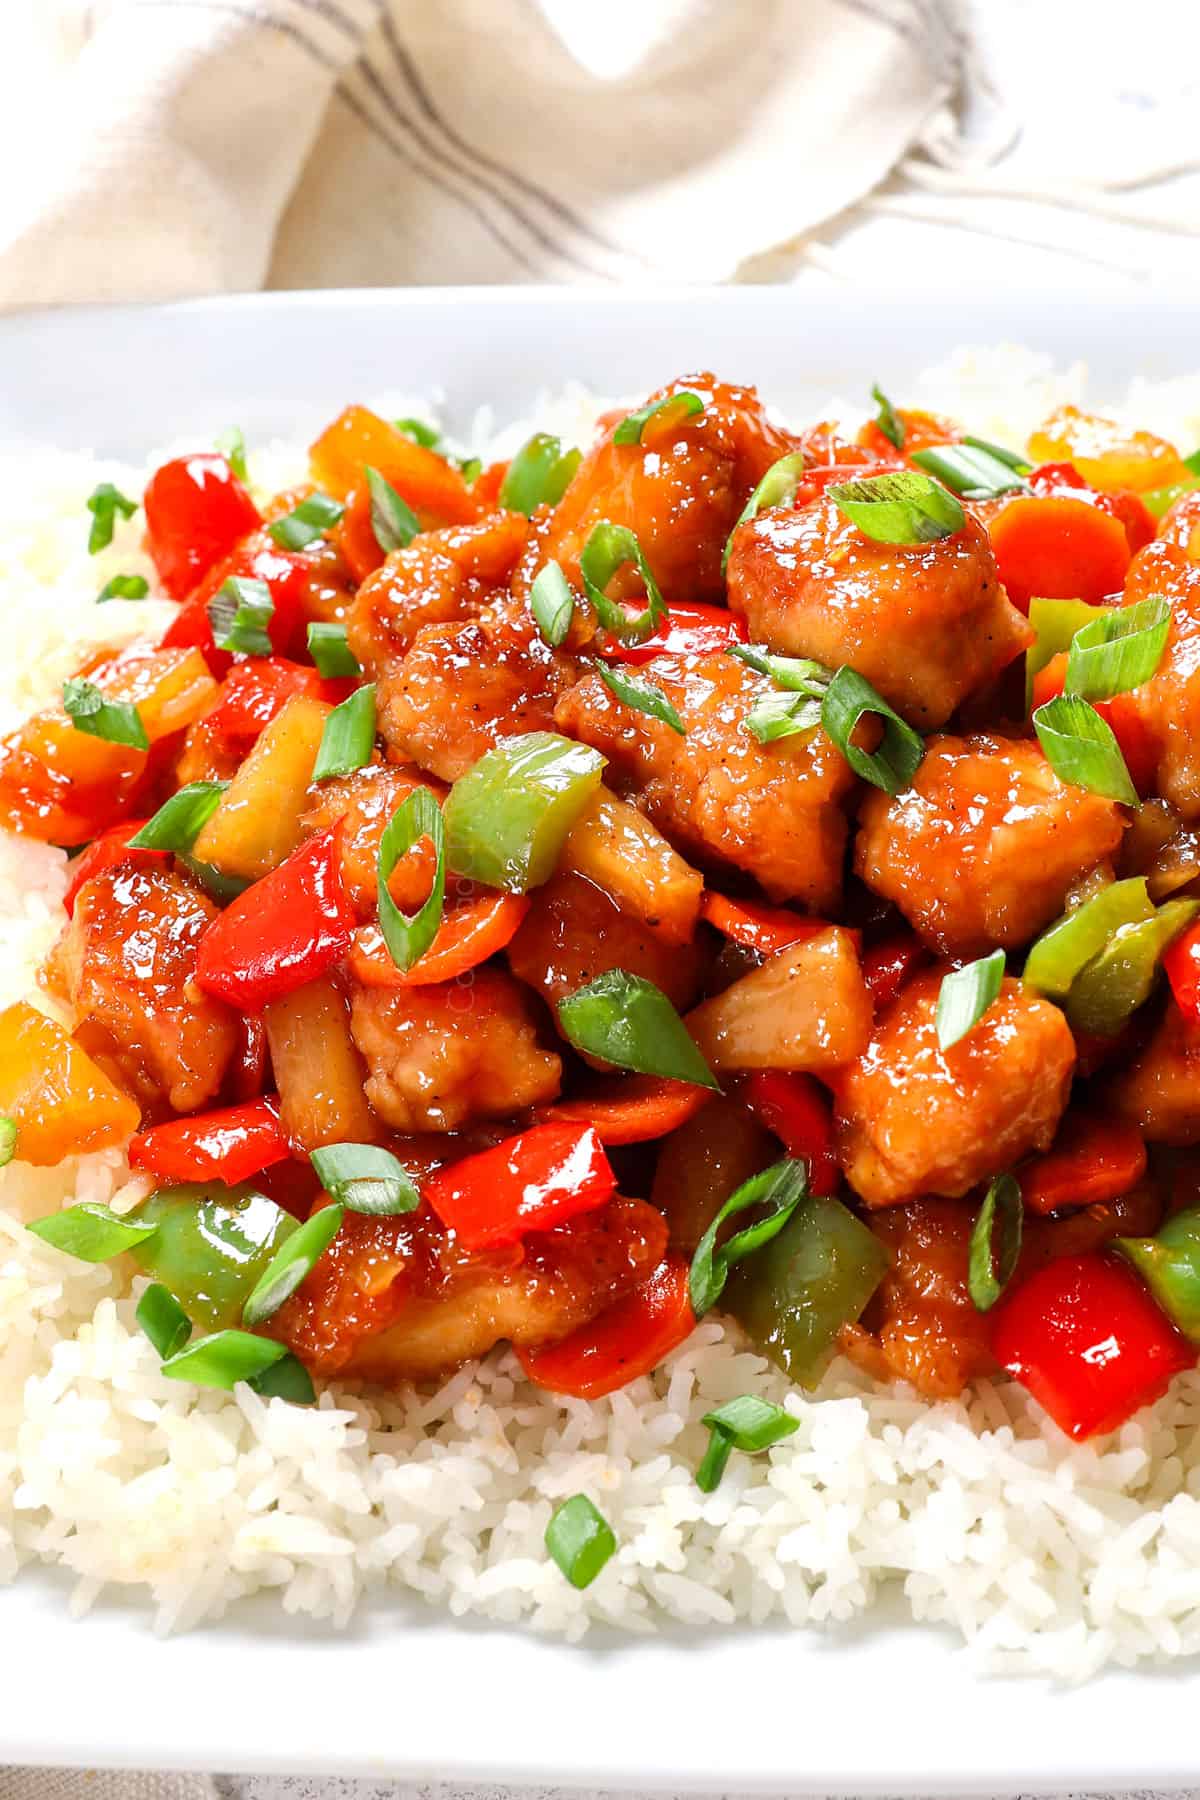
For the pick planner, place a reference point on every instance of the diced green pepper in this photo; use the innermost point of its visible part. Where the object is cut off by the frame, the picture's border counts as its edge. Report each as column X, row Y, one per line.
column 1121, row 977
column 212, row 1244
column 507, row 818
column 1157, row 501
column 1072, row 941
column 795, row 1294
column 1056, row 622
column 1169, row 1264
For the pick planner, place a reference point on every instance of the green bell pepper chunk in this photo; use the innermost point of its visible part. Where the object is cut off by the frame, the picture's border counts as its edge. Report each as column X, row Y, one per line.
column 507, row 819
column 1056, row 622
column 793, row 1296
column 1169, row 1264
column 1157, row 501
column 211, row 1245
column 1121, row 977
column 1071, row 942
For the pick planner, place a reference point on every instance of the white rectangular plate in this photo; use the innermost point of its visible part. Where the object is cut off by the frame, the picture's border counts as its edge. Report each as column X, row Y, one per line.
column 408, row 1692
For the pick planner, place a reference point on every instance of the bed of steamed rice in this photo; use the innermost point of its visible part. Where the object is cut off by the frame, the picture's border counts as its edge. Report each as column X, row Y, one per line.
column 1045, row 1556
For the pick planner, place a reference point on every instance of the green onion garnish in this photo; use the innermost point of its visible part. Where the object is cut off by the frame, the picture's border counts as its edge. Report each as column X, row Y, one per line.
column 224, row 1358
column 163, row 1320
column 630, row 430
column 179, row 821
column 782, row 715
column 538, row 475
column 239, row 613
column 90, row 1231
column 1011, row 458
column 420, row 433
column 748, row 1424
column 470, row 469
column 124, row 587
column 223, row 888
column 365, row 1178
column 1192, row 462
column 627, row 1021
column 393, row 520
column 1080, row 747
column 714, row 1461
column 418, row 816
column 904, row 508
column 609, row 548
column 306, row 522
column 1119, row 650
column 965, row 995
column 117, row 721
column 798, row 707
column 8, row 1139
column 232, row 445
column 990, row 1266
column 641, row 695
column 965, row 469
column 798, row 674
column 848, row 698
column 295, row 1258
column 888, row 419
column 104, row 503
column 779, row 1190
column 329, row 650
column 285, row 1379
column 552, row 604
column 580, row 1540
column 348, row 740
column 777, row 488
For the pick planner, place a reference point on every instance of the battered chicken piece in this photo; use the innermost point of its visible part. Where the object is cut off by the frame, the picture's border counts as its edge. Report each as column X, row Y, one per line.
column 928, row 1329
column 396, row 1299
column 1169, row 703
column 913, row 1119
column 366, row 800
column 926, row 624
column 574, row 932
column 773, row 810
column 440, row 1056
column 1159, row 1090
column 125, row 965
column 441, row 576
column 983, row 847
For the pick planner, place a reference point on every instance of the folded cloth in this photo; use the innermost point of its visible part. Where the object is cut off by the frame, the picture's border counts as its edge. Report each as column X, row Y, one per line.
column 103, row 1784
column 167, row 147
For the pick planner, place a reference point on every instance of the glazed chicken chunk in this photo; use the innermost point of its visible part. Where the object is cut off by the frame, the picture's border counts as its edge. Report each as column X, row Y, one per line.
column 1169, row 703
column 442, row 576
column 1159, row 1090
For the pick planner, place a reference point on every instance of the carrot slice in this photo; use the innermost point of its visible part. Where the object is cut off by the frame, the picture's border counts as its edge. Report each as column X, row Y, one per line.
column 756, row 926
column 466, row 937
column 1093, row 1160
column 632, row 1110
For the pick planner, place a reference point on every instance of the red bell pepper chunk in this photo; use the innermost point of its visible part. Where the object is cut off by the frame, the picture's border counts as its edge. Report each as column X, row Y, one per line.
column 466, row 937
column 528, row 1183
column 756, row 926
column 886, row 966
column 1123, row 714
column 229, row 1145
column 633, row 1110
column 287, row 574
column 1089, row 1343
column 112, row 846
column 686, row 631
column 1093, row 1160
column 283, row 931
column 1182, row 963
column 247, row 1073
column 256, row 690
column 627, row 1340
column 795, row 1108
column 196, row 511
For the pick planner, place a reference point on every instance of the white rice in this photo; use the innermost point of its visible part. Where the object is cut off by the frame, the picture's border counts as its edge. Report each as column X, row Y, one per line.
column 1045, row 1556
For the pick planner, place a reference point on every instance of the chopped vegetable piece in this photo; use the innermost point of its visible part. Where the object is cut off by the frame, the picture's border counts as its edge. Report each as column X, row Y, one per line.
column 408, row 938
column 9, row 1139
column 232, row 445
column 684, row 404
column 348, row 741
column 329, row 650
column 1012, row 458
column 887, row 418
column 116, row 721
column 365, row 1178
column 239, row 613
column 806, row 1008
column 110, row 848
column 1121, row 976
column 625, row 1341
column 209, row 1245
column 318, row 1069
column 1119, row 650
column 608, row 549
column 580, row 1540
column 258, row 822
column 1055, row 622
column 528, row 1183
column 420, row 432
column 715, row 1461
column 627, row 1021
column 1092, row 1161
column 1181, row 960
column 779, row 1191
column 163, row 1320
column 756, row 926
column 892, row 766
column 968, row 470
column 538, row 475
column 466, row 937
column 196, row 512
column 393, row 520
column 552, row 604
column 634, row 1110
column 507, row 818
column 314, row 516
column 61, row 1102
column 965, row 995
column 904, row 508
column 224, row 1359
column 777, row 488
column 178, row 822
column 1057, row 546
column 1169, row 1264
column 886, row 966
column 694, row 630
column 1056, row 958
column 287, row 1379
column 1080, row 748
column 228, row 1146
column 1089, row 1343
column 92, row 1232
column 990, row 1269
column 796, row 1109
column 641, row 695
column 748, row 1424
column 104, row 503
column 124, row 587
column 429, row 483
column 292, row 1262
column 1123, row 713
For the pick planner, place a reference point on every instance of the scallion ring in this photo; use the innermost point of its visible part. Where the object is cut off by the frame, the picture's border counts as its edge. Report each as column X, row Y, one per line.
column 179, row 821
column 8, row 1139
column 117, row 721
column 965, row 995
column 285, row 1379
column 240, row 612
column 163, row 1320
column 1081, row 748
column 1119, row 650
column 105, row 503
column 888, row 419
column 365, row 1178
column 580, row 1540
column 685, row 404
column 90, row 1231
column 1011, row 458
column 428, row 436
column 232, row 445
column 848, row 698
column 552, row 603
column 900, row 508
column 224, row 1358
column 625, row 1020
column 780, row 715
column 967, row 470
column 641, row 695
column 393, row 520
column 609, row 548
column 991, row 1266
column 538, row 475
column 294, row 1260
column 779, row 1191
column 749, row 1424
column 329, row 650
column 348, row 740
column 307, row 522
column 777, row 488
column 124, row 587
column 418, row 816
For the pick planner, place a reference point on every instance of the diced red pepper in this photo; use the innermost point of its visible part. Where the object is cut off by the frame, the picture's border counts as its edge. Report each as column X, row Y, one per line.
column 486, row 491
column 1123, row 714
column 229, row 1145
column 887, row 965
column 798, row 1112
column 466, row 937
column 1181, row 960
column 287, row 574
column 627, row 1340
column 283, row 931
column 633, row 1110
column 544, row 1177
column 112, row 846
column 686, row 631
column 756, row 926
column 246, row 1077
column 354, row 535
column 1089, row 1343
column 196, row 511
column 256, row 690
column 1093, row 1160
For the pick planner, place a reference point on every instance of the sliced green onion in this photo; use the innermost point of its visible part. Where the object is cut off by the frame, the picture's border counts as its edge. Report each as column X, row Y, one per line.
column 232, row 445
column 749, row 1424
column 893, row 765
column 714, row 1462
column 285, row 1379
column 426, row 435
column 306, row 522
column 904, row 508
column 627, row 1021
column 609, row 548
column 888, row 419
column 329, row 650
column 1081, row 748
column 163, row 1320
column 239, row 613
column 782, row 715
column 991, row 1264
column 418, row 816
column 223, row 1359
column 223, row 888
column 8, row 1139
column 1119, row 650
column 365, row 1178
column 90, row 1231
column 295, row 1258
column 1055, row 622
column 508, row 818
column 470, row 469
column 179, row 821
column 777, row 488
column 104, row 503
column 393, row 520
column 965, row 995
column 630, row 430
column 779, row 1190
column 538, row 475
column 796, row 709
column 348, row 740
column 117, row 721
column 1158, row 501
column 552, row 604
column 964, row 469
column 124, row 587
column 1068, row 945
column 1169, row 1264
column 1012, row 458
column 641, row 695
column 580, row 1540
column 797, row 674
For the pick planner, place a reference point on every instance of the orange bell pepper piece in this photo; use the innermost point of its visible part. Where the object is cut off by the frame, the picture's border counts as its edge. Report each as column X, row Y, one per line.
column 627, row 1340
column 359, row 439
column 61, row 1102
